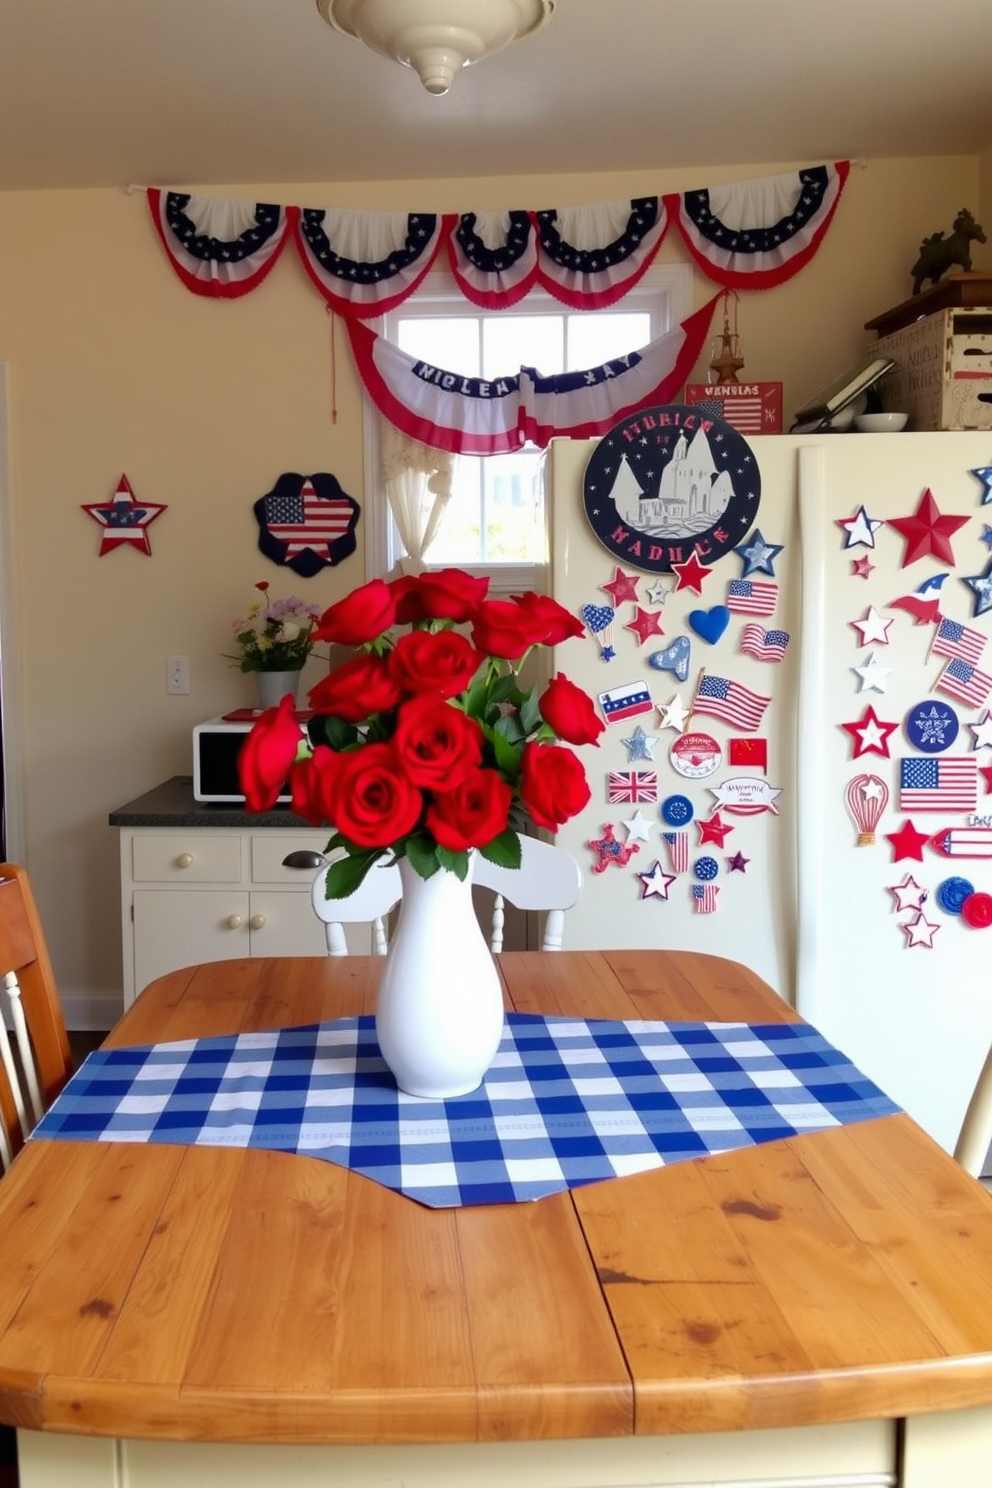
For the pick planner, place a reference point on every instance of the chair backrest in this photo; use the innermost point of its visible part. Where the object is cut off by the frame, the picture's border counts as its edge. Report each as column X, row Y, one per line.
column 975, row 1137
column 370, row 903
column 35, row 1061
column 548, row 879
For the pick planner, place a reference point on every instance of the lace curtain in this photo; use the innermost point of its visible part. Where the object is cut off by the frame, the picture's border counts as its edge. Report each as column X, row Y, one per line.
column 417, row 482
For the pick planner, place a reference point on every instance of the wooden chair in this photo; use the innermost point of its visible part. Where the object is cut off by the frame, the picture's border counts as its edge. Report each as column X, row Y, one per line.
column 370, row 903
column 548, row 879
column 35, row 1062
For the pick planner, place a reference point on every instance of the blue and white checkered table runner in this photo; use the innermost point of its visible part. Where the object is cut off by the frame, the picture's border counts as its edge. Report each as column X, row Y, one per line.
column 568, row 1101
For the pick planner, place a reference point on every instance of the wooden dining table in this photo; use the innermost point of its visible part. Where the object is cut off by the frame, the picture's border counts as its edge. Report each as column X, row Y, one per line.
column 818, row 1307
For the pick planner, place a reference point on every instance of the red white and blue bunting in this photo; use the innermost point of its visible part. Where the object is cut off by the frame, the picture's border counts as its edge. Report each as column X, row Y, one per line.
column 218, row 247
column 748, row 235
column 472, row 416
column 757, row 234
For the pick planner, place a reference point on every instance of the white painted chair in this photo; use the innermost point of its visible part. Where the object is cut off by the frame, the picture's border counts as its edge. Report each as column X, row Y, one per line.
column 548, row 879
column 369, row 904
column 975, row 1137
column 35, row 1061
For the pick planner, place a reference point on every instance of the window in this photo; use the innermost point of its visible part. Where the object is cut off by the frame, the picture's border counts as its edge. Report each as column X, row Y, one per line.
column 496, row 521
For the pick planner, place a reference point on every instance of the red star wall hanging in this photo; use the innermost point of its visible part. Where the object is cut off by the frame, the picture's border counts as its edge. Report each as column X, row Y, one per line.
column 870, row 734
column 907, row 842
column 124, row 522
column 927, row 532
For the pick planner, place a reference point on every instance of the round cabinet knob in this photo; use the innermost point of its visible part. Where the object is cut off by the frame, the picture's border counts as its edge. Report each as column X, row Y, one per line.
column 184, row 860
column 257, row 922
column 234, row 922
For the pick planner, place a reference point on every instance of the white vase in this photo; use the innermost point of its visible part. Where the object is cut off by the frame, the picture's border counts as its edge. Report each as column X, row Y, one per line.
column 439, row 1012
column 273, row 687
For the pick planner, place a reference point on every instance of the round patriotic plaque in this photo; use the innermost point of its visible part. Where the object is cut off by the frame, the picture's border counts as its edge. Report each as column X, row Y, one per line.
column 669, row 482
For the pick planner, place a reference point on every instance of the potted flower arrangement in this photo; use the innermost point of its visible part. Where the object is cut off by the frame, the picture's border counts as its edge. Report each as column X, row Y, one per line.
column 424, row 748
column 274, row 640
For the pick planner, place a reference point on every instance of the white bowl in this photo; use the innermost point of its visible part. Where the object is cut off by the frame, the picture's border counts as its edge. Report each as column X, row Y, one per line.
column 881, row 423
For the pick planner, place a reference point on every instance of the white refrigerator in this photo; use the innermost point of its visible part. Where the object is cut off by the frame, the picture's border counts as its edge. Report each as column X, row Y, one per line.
column 774, row 848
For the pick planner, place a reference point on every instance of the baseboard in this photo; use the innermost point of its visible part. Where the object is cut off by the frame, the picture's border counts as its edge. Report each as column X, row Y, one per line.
column 91, row 1010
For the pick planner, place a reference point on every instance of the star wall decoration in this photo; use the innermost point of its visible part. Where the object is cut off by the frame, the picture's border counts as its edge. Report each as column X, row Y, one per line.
column 908, row 894
column 981, row 586
column 656, row 882
column 982, row 732
column 646, row 623
column 124, row 523
column 640, row 746
column 870, row 734
column 738, row 863
column 862, row 567
column 984, row 474
column 758, row 556
column 691, row 574
column 927, row 532
column 874, row 676
column 872, row 627
column 907, row 842
column 860, row 529
column 622, row 586
column 920, row 932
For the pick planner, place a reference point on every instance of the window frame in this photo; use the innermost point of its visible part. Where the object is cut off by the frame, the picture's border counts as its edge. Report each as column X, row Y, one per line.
column 665, row 290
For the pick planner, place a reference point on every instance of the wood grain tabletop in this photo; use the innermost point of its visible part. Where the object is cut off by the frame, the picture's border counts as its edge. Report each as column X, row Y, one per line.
column 233, row 1295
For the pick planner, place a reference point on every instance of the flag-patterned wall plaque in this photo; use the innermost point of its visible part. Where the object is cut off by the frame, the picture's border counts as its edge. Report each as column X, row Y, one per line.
column 307, row 522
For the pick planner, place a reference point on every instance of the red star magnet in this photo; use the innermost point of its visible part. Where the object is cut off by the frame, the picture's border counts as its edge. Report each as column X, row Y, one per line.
column 690, row 574
column 713, row 830
column 907, row 842
column 862, row 567
column 927, row 532
column 622, row 586
column 646, row 623
column 986, row 770
column 870, row 734
column 124, row 523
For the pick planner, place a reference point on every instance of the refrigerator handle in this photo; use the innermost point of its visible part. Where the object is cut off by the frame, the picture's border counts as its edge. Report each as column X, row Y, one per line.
column 811, row 730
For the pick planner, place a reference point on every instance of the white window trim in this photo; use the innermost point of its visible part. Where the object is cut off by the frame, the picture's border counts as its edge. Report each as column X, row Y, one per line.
column 673, row 278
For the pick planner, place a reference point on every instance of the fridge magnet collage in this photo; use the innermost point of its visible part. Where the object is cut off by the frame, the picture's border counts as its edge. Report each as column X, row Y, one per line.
column 949, row 771
column 691, row 593
column 671, row 493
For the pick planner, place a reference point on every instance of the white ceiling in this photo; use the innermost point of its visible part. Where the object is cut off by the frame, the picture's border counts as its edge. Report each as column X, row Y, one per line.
column 194, row 92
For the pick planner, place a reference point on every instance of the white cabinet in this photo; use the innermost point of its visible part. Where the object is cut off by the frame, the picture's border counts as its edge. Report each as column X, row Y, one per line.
column 195, row 894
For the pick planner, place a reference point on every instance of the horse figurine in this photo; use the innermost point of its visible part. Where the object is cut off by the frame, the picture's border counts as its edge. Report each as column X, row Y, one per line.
column 938, row 254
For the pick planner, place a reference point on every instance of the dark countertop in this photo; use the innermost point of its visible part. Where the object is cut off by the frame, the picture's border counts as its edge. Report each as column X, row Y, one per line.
column 171, row 804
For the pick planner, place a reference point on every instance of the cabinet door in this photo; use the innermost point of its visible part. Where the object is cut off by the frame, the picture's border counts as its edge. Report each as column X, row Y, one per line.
column 284, row 924
column 181, row 927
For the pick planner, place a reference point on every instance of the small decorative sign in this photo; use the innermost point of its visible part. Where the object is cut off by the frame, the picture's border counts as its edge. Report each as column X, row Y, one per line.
column 749, row 407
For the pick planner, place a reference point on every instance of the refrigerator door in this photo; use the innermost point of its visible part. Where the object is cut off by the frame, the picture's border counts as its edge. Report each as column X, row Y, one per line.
column 813, row 912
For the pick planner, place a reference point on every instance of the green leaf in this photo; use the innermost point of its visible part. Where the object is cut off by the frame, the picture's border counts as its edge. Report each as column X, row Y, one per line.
column 508, row 727
column 345, row 876
column 507, row 755
column 455, row 862
column 477, row 697
column 504, row 850
column 422, row 856
column 505, row 690
column 530, row 713
column 339, row 734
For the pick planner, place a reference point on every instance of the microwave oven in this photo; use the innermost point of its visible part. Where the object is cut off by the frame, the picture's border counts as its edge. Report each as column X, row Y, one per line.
column 216, row 746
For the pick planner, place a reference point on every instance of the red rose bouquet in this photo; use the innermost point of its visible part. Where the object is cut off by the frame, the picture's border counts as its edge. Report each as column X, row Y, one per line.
column 425, row 745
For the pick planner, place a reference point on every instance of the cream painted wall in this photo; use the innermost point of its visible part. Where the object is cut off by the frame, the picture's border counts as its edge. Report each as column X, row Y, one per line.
column 113, row 366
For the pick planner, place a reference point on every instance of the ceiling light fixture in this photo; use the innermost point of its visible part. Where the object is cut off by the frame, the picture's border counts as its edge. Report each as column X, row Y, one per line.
column 437, row 37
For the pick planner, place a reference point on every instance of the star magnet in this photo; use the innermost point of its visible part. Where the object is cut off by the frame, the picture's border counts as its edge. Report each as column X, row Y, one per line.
column 645, row 624
column 622, row 587
column 870, row 734
column 859, row 530
column 872, row 627
column 124, row 523
column 981, row 587
column 907, row 842
column 758, row 556
column 984, row 474
column 656, row 883
column 690, row 574
column 927, row 532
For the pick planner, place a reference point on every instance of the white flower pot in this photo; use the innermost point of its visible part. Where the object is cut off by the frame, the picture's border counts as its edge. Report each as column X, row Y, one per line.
column 439, row 1012
column 273, row 687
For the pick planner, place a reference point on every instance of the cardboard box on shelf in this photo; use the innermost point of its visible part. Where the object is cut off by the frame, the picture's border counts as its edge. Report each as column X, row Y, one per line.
column 941, row 342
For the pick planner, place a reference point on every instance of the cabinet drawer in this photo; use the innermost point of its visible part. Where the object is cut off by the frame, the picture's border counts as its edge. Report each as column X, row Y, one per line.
column 186, row 858
column 269, row 851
